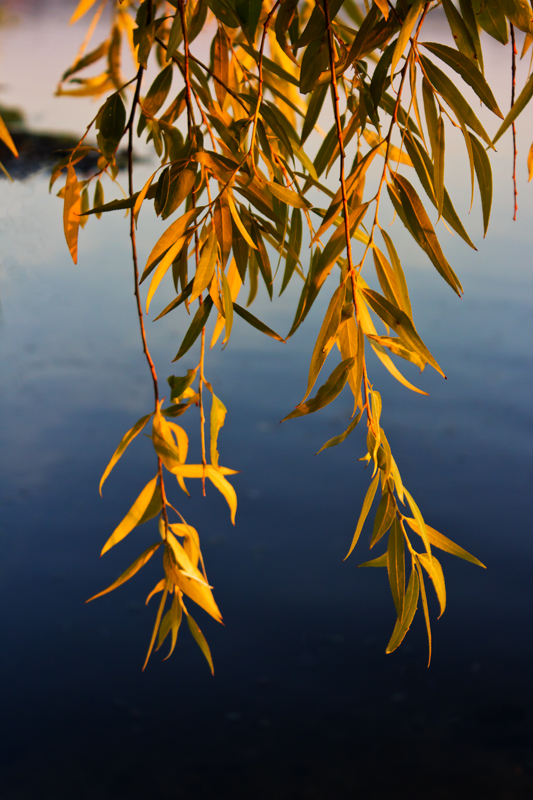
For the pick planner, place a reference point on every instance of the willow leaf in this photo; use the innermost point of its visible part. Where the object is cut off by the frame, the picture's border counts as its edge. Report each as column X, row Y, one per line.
column 195, row 328
column 193, row 627
column 422, row 230
column 367, row 504
column 396, row 566
column 484, row 179
column 410, row 606
column 342, row 436
column 446, row 87
column 131, row 571
column 520, row 103
column 133, row 517
column 256, row 323
column 443, row 543
column 468, row 71
column 327, row 393
column 380, row 561
column 434, row 570
column 125, row 441
column 326, row 337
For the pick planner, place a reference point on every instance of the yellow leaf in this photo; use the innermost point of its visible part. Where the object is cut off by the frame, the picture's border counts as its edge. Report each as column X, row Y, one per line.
column 163, row 268
column 71, row 212
column 218, row 415
column 131, row 571
column 383, row 7
column 238, row 221
column 5, row 136
column 81, row 9
column 434, row 570
column 200, row 640
column 125, row 441
column 235, row 283
column 157, row 588
column 133, row 517
column 216, row 476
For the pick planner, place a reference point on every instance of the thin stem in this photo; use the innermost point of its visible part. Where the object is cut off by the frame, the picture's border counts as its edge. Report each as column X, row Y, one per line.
column 133, row 237
column 201, row 405
column 190, row 111
column 513, row 90
column 266, row 25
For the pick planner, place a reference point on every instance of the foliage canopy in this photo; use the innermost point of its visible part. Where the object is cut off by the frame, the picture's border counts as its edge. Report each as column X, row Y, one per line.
column 244, row 175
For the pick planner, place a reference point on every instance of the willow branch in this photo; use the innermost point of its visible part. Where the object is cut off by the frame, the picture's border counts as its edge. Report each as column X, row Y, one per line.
column 513, row 90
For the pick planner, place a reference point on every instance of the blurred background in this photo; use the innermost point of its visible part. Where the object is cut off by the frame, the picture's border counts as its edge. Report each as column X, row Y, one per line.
column 304, row 702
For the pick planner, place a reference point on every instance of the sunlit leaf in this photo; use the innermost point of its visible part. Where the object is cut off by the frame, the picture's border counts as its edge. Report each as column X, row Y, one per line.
column 520, row 103
column 367, row 503
column 133, row 517
column 434, row 570
column 396, row 566
column 410, row 606
column 193, row 627
column 82, row 8
column 443, row 543
column 131, row 571
column 125, row 441
column 71, row 212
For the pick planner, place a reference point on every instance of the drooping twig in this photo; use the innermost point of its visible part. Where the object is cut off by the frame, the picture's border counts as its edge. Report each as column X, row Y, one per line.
column 513, row 90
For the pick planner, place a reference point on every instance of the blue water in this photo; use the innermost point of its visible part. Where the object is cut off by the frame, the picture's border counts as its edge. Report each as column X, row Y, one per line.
column 304, row 702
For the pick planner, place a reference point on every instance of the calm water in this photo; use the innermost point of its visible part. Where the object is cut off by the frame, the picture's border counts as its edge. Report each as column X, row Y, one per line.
column 304, row 702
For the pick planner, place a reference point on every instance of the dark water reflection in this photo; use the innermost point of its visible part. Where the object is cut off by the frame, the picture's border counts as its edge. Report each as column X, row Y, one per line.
column 304, row 703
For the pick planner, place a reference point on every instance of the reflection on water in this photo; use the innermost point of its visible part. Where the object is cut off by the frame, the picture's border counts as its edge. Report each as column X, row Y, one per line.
column 304, row 703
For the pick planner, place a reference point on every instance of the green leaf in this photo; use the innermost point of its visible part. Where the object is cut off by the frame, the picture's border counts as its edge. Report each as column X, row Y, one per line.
column 158, row 91
column 256, row 323
column 314, row 108
column 459, row 30
column 113, row 205
column 337, row 243
column 125, row 441
column 408, row 203
column 400, row 322
column 424, row 170
column 195, row 328
column 405, row 33
column 484, row 179
column 367, row 503
column 134, row 515
column 179, row 384
column 520, row 103
column 443, row 543
column 327, row 393
column 295, row 244
column 193, row 627
column 341, row 437
column 288, row 196
column 438, row 158
column 326, row 337
column 410, row 606
column 131, row 571
column 491, row 17
column 468, row 72
column 446, row 87
column 396, row 566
